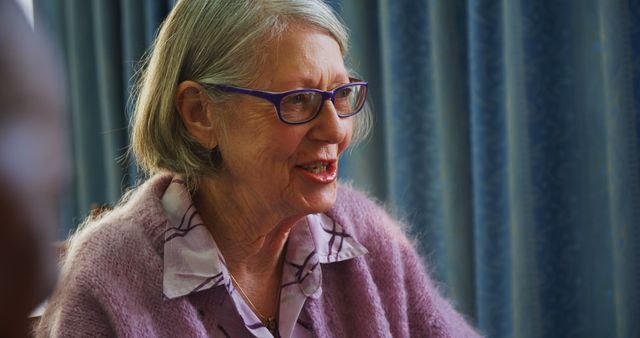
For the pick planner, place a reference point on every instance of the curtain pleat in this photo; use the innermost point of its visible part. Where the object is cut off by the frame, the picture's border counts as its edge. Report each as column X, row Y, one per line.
column 506, row 135
column 368, row 164
column 106, row 25
column 487, row 134
column 84, row 103
column 452, row 158
column 622, row 149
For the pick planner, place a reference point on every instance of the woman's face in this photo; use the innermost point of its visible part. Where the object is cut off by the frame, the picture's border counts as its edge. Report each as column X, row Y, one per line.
column 275, row 167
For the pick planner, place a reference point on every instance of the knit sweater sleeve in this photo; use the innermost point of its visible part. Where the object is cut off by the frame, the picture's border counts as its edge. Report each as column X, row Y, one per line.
column 111, row 277
column 85, row 320
column 111, row 285
column 413, row 305
column 428, row 310
column 75, row 310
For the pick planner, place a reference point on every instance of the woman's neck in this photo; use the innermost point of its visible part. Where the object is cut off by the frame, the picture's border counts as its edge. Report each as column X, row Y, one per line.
column 252, row 243
column 250, row 238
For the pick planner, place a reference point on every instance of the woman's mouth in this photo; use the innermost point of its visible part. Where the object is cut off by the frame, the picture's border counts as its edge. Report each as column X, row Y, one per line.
column 316, row 168
column 320, row 171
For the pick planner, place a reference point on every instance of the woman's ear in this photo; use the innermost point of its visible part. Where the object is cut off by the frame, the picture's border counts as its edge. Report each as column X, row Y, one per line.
column 194, row 107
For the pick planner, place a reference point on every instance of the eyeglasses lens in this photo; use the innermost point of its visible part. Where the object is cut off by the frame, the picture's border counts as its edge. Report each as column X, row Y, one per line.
column 303, row 106
column 300, row 106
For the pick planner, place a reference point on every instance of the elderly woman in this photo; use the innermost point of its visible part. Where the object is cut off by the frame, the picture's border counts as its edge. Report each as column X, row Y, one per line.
column 241, row 230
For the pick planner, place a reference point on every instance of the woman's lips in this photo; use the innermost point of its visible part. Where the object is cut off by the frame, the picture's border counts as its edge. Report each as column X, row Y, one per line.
column 320, row 171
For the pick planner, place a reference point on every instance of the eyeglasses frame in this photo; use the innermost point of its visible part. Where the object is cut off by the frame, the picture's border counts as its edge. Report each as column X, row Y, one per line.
column 276, row 97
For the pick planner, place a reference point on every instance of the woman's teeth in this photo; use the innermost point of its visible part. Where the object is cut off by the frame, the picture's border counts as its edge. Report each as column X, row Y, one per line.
column 316, row 168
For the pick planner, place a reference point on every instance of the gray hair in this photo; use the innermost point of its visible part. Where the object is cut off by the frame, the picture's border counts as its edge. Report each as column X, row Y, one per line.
column 217, row 42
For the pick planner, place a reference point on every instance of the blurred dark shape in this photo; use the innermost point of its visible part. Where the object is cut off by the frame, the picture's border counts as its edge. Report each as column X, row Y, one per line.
column 32, row 168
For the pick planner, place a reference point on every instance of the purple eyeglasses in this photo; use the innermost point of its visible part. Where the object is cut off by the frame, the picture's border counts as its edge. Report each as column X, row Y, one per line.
column 303, row 105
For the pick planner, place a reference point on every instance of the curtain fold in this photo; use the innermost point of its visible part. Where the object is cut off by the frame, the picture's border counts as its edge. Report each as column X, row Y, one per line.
column 111, row 97
column 102, row 42
column 506, row 135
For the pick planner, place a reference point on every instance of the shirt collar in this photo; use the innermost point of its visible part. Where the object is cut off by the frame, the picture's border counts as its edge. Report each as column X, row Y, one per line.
column 192, row 261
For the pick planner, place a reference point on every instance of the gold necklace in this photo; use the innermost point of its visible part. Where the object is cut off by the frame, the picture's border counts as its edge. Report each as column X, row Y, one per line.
column 270, row 322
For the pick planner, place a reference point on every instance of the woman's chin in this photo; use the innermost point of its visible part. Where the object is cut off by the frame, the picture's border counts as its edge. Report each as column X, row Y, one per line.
column 318, row 200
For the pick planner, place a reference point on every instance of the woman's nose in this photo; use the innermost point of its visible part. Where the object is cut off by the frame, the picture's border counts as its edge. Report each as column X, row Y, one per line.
column 328, row 127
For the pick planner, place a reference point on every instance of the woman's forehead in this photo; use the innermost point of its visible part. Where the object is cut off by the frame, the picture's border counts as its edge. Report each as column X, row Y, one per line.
column 303, row 57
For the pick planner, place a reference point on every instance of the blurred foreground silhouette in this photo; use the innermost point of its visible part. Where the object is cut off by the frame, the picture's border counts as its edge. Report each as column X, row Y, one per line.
column 32, row 168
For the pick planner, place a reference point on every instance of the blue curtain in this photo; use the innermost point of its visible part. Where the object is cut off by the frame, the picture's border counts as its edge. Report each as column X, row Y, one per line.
column 102, row 42
column 507, row 135
column 508, row 138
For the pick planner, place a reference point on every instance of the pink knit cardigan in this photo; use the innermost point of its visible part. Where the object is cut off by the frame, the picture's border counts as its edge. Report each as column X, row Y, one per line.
column 111, row 280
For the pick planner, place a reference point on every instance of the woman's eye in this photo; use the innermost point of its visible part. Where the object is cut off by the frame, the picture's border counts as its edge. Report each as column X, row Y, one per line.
column 299, row 98
column 344, row 92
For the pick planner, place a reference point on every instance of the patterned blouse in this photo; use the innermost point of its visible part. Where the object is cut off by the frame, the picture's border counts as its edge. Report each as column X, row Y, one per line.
column 192, row 263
